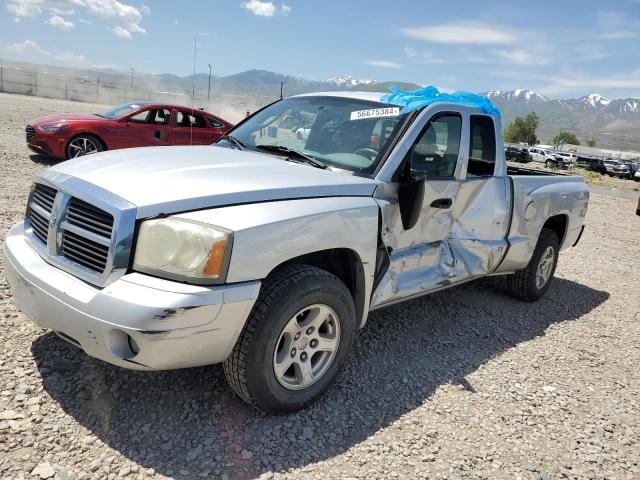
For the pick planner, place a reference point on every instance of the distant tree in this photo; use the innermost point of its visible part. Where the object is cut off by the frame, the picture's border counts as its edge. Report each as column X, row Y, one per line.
column 591, row 141
column 566, row 137
column 522, row 130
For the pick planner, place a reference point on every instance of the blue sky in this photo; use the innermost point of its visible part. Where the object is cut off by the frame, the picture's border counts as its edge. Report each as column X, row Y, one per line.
column 557, row 48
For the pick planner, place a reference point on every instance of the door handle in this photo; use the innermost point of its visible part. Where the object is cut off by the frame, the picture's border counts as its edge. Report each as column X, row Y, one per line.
column 157, row 134
column 442, row 203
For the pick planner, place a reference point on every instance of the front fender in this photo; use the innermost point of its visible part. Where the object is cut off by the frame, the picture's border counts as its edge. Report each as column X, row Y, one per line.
column 268, row 234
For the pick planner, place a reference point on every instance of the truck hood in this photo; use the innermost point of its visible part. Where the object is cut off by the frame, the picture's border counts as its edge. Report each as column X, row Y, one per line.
column 163, row 180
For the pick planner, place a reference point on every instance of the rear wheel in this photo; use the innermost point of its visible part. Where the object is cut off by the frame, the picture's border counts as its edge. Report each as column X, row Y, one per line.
column 83, row 144
column 295, row 341
column 533, row 281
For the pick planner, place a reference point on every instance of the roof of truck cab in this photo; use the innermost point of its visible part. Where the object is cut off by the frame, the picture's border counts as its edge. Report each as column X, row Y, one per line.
column 370, row 96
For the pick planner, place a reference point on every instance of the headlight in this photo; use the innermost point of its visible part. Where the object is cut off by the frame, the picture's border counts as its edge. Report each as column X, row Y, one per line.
column 183, row 250
column 52, row 127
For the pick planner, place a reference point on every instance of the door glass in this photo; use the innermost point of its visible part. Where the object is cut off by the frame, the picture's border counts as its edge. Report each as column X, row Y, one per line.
column 482, row 147
column 155, row 116
column 190, row 120
column 435, row 154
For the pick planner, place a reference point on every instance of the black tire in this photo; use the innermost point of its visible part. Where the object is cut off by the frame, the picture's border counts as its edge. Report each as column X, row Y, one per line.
column 92, row 139
column 522, row 284
column 250, row 367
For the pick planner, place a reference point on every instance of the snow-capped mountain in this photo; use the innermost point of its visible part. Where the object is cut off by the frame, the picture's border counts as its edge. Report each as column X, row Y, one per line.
column 519, row 94
column 595, row 100
column 346, row 81
column 623, row 105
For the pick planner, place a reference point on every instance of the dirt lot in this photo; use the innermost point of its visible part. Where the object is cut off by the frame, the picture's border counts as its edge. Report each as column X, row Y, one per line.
column 468, row 383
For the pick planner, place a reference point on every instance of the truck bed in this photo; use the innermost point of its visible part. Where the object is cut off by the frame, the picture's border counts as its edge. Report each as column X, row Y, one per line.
column 511, row 170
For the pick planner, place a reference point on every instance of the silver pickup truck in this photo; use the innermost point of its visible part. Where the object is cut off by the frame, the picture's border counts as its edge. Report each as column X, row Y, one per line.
column 267, row 251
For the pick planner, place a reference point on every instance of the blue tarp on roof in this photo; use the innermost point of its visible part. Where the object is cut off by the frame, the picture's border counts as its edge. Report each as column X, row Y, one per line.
column 426, row 96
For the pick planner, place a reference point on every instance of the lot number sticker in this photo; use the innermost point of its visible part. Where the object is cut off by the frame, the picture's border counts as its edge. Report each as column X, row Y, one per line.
column 375, row 113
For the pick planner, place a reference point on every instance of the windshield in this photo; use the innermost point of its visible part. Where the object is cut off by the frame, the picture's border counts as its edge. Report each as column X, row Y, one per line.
column 117, row 112
column 341, row 132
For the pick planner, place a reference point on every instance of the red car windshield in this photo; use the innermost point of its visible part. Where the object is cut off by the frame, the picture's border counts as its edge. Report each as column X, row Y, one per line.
column 117, row 112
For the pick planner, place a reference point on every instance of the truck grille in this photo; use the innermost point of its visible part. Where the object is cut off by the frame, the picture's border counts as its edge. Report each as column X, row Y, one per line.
column 85, row 215
column 85, row 230
column 31, row 132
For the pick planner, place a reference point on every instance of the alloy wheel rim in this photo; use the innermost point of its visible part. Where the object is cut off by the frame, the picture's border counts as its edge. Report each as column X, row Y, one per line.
column 82, row 146
column 545, row 267
column 307, row 347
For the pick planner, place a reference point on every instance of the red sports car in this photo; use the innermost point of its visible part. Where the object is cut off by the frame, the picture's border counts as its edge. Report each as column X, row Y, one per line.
column 137, row 124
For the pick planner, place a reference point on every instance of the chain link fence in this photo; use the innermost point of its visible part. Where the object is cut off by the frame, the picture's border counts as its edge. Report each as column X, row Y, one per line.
column 107, row 89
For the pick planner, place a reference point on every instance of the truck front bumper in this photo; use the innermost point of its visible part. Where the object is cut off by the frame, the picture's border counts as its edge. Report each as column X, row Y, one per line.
column 137, row 322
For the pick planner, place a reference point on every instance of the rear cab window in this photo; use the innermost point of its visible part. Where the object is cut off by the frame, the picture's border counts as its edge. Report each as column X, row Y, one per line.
column 482, row 147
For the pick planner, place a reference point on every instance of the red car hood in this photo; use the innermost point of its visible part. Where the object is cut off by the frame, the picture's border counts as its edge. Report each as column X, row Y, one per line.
column 65, row 118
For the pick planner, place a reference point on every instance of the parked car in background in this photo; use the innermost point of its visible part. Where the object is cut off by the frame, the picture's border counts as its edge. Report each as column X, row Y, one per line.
column 516, row 154
column 609, row 163
column 636, row 176
column 541, row 155
column 568, row 157
column 136, row 124
column 591, row 164
column 557, row 162
column 622, row 170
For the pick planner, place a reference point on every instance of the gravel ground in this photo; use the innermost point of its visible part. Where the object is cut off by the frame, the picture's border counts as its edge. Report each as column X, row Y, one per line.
column 467, row 383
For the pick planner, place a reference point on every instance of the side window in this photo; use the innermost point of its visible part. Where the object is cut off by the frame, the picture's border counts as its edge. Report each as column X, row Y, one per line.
column 435, row 154
column 140, row 117
column 186, row 119
column 213, row 123
column 161, row 116
column 482, row 147
column 156, row 116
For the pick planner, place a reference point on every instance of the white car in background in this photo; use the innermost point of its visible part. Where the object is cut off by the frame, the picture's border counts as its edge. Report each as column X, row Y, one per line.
column 302, row 133
column 568, row 157
column 541, row 155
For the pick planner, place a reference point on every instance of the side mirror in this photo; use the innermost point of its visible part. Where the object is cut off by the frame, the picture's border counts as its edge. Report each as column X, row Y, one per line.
column 410, row 196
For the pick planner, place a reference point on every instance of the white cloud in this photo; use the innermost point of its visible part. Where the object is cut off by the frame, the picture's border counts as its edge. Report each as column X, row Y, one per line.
column 462, row 33
column 60, row 23
column 24, row 8
column 285, row 9
column 28, row 46
column 410, row 51
column 72, row 58
column 522, row 57
column 121, row 32
column 383, row 64
column 262, row 9
column 17, row 20
column 117, row 15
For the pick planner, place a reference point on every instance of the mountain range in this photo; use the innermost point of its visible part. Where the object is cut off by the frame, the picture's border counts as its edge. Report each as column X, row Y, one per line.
column 615, row 123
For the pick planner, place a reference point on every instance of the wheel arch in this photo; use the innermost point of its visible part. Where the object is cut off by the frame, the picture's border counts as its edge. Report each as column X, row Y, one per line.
column 558, row 224
column 345, row 264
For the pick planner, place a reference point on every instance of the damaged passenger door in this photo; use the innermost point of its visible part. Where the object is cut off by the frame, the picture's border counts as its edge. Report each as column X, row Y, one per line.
column 438, row 232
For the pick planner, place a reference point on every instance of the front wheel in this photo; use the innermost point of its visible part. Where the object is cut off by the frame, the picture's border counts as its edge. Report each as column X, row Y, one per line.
column 533, row 281
column 83, row 144
column 295, row 341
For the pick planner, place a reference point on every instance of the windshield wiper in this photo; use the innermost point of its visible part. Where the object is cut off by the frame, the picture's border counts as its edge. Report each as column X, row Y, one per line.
column 299, row 155
column 233, row 140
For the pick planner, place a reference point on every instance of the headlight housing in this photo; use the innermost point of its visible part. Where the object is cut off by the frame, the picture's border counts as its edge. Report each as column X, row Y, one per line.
column 183, row 250
column 52, row 127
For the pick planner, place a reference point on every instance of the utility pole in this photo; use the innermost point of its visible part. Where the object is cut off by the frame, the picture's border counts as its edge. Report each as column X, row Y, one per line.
column 209, row 89
column 281, row 86
column 132, row 78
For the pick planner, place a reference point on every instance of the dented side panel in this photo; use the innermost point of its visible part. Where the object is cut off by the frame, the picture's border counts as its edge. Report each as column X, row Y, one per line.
column 447, row 246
